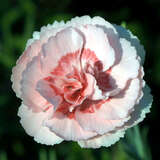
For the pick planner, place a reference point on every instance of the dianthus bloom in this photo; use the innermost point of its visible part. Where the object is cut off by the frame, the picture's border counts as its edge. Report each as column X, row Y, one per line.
column 81, row 81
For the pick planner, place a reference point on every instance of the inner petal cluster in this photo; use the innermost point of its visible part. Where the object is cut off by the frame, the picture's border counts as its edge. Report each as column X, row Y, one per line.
column 75, row 86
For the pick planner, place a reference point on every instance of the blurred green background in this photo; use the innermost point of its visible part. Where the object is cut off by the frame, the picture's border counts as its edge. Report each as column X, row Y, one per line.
column 19, row 18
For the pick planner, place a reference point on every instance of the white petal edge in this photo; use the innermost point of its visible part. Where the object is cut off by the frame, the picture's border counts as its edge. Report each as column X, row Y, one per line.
column 105, row 140
column 68, row 129
column 32, row 123
column 52, row 29
column 126, row 34
column 127, row 68
column 141, row 109
column 21, row 64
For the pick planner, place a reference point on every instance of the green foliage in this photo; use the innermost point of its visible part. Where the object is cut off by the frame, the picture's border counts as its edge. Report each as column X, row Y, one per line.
column 10, row 40
column 3, row 155
column 136, row 144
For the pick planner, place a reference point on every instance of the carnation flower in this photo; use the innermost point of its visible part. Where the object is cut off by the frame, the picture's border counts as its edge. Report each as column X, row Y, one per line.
column 81, row 81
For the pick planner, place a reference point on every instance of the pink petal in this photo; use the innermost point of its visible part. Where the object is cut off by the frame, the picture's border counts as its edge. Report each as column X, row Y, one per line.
column 65, row 42
column 48, row 93
column 21, row 64
column 92, row 123
column 32, row 123
column 114, row 41
column 119, row 106
column 67, row 128
column 141, row 109
column 31, row 75
column 127, row 68
column 137, row 116
column 104, row 140
column 111, row 114
column 96, row 41
column 85, row 20
column 126, row 34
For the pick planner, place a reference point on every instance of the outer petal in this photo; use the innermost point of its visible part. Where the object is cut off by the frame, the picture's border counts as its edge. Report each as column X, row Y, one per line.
column 30, row 96
column 111, row 114
column 137, row 116
column 127, row 68
column 32, row 123
column 21, row 64
column 119, row 106
column 85, row 20
column 114, row 41
column 65, row 42
column 99, row 141
column 32, row 49
column 126, row 34
column 67, row 128
column 141, row 109
column 52, row 29
column 104, row 52
column 46, row 32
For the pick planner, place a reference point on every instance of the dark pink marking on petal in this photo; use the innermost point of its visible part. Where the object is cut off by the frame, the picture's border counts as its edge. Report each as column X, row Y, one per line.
column 73, row 80
column 109, row 70
column 71, row 115
column 88, row 110
column 102, row 102
column 67, row 64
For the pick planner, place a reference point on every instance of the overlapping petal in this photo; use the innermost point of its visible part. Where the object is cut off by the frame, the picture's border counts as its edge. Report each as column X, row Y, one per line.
column 68, row 129
column 21, row 64
column 65, row 42
column 113, row 113
column 40, row 133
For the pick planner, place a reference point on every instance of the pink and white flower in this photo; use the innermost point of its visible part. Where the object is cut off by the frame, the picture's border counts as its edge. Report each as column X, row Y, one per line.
column 81, row 81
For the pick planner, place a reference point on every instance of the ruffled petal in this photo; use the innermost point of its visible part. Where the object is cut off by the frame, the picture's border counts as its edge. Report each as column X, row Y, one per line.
column 111, row 114
column 48, row 93
column 104, row 52
column 46, row 32
column 52, row 29
column 32, row 123
column 96, row 124
column 114, row 41
column 105, row 140
column 67, row 128
column 137, row 116
column 85, row 20
column 67, row 41
column 142, row 108
column 30, row 77
column 134, row 41
column 120, row 105
column 45, row 136
column 127, row 68
column 21, row 64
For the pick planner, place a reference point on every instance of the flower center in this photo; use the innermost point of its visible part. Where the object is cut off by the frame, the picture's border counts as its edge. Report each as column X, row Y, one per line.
column 76, row 83
column 73, row 92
